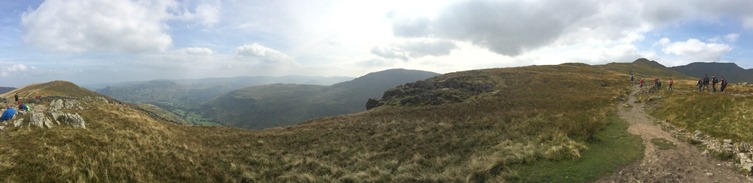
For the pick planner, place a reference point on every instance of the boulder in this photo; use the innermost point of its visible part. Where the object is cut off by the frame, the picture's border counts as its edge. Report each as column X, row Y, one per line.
column 56, row 105
column 40, row 120
column 372, row 103
column 18, row 122
column 74, row 120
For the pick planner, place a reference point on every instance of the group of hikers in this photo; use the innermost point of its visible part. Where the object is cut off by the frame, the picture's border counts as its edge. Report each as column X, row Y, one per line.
column 657, row 82
column 10, row 111
column 703, row 83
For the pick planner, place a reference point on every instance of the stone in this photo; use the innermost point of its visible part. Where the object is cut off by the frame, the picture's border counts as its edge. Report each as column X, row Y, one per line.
column 372, row 103
column 743, row 147
column 74, row 120
column 18, row 122
column 56, row 105
column 41, row 120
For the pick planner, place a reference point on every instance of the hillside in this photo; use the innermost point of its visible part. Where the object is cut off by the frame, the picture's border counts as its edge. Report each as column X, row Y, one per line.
column 6, row 89
column 184, row 97
column 54, row 88
column 644, row 68
column 527, row 124
column 731, row 71
column 285, row 104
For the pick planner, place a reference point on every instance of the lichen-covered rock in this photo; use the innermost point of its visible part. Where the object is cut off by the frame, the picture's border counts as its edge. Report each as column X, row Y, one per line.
column 40, row 120
column 74, row 120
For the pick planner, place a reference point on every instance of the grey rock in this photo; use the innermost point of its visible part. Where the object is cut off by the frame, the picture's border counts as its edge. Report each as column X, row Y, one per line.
column 56, row 105
column 372, row 103
column 41, row 120
column 18, row 122
column 74, row 120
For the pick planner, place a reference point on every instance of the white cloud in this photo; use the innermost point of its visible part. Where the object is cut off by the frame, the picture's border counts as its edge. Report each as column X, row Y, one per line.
column 664, row 41
column 261, row 53
column 108, row 25
column 732, row 37
column 196, row 51
column 694, row 50
column 15, row 68
column 390, row 53
column 130, row 26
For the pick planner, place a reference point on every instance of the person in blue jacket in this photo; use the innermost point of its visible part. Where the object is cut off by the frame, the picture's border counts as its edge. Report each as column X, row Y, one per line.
column 8, row 114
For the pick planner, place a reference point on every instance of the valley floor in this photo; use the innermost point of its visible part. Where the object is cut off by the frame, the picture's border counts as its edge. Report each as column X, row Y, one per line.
column 671, row 161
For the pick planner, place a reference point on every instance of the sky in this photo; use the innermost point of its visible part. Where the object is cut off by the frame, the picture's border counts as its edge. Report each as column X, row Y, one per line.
column 108, row 41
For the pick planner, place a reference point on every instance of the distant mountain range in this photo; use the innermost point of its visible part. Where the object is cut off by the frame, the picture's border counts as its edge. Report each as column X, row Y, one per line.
column 285, row 104
column 730, row 71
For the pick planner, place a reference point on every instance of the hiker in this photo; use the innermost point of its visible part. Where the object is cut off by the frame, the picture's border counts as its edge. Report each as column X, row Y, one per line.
column 632, row 79
column 23, row 107
column 700, row 84
column 16, row 96
column 713, row 82
column 658, row 84
column 641, row 82
column 670, row 84
column 8, row 114
column 724, row 84
column 706, row 82
column 38, row 98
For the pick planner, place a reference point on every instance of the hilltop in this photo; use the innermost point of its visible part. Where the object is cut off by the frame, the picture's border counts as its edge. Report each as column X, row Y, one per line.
column 730, row 71
column 644, row 68
column 285, row 104
column 53, row 88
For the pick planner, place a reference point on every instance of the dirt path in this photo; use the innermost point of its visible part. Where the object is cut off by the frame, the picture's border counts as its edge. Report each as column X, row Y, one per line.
column 682, row 163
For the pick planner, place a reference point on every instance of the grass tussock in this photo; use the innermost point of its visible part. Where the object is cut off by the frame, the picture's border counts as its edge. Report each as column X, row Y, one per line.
column 550, row 116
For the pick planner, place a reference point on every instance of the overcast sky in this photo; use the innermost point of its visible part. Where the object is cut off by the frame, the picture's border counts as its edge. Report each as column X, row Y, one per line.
column 103, row 41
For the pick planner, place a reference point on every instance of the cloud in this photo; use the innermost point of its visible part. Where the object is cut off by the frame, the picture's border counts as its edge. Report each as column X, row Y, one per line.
column 109, row 25
column 390, row 53
column 415, row 49
column 696, row 50
column 196, row 51
column 15, row 68
column 664, row 41
column 424, row 48
column 261, row 53
column 504, row 27
column 732, row 37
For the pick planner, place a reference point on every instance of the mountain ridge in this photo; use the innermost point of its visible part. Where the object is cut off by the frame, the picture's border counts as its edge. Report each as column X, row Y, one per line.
column 244, row 107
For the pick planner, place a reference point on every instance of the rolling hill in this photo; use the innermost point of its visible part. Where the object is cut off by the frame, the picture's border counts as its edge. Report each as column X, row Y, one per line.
column 184, row 97
column 731, row 71
column 525, row 124
column 285, row 104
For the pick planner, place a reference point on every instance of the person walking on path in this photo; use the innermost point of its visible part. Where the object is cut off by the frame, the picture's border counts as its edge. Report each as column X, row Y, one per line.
column 700, row 84
column 670, row 84
column 724, row 84
column 16, row 96
column 706, row 82
column 641, row 82
column 713, row 82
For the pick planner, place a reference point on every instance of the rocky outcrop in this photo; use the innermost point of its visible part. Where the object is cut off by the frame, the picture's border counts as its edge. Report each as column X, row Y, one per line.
column 74, row 120
column 59, row 104
column 437, row 91
column 40, row 120
column 741, row 151
column 372, row 103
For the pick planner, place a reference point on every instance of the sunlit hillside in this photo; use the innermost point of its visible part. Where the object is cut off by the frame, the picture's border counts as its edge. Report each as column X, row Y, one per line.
column 532, row 123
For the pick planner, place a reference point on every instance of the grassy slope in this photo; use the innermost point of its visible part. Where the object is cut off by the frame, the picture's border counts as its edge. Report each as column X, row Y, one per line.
column 540, row 114
column 719, row 115
column 57, row 88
